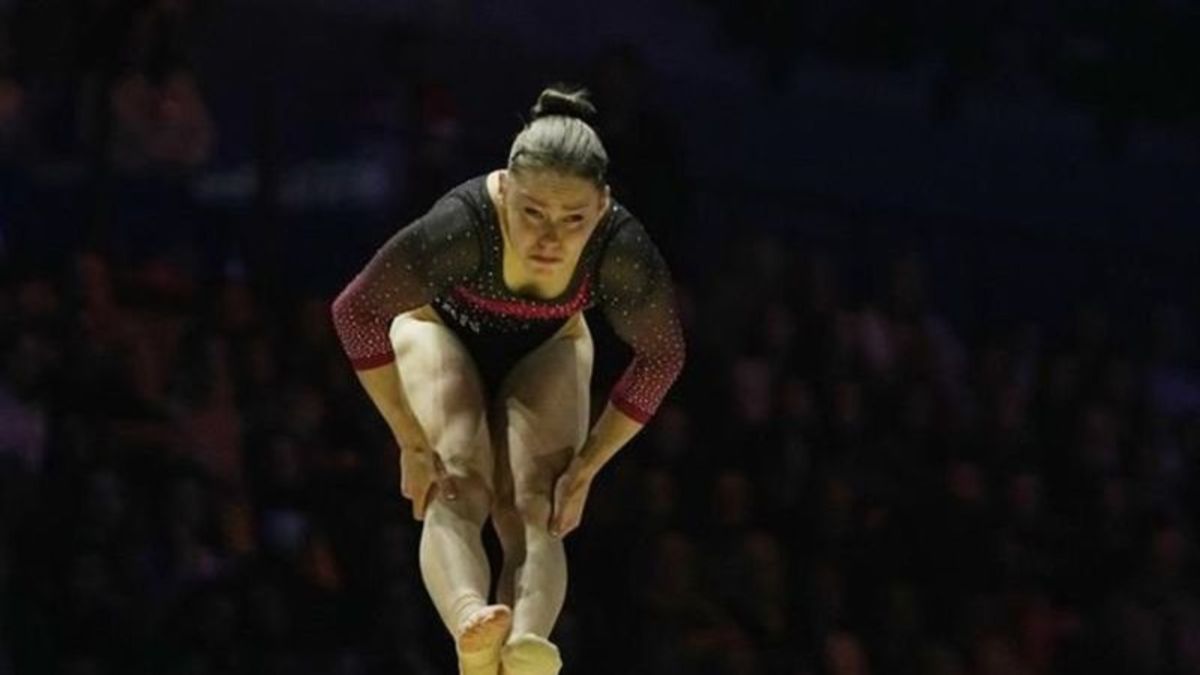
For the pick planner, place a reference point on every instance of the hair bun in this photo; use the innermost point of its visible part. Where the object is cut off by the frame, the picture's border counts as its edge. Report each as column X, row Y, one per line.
column 560, row 101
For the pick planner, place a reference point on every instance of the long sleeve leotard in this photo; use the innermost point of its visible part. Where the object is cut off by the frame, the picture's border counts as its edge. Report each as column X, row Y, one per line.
column 451, row 258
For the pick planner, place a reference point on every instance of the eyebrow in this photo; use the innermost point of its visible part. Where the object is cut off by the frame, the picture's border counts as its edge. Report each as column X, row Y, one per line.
column 567, row 207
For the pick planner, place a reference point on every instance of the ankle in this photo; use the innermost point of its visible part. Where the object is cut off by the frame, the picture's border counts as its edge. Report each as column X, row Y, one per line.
column 464, row 607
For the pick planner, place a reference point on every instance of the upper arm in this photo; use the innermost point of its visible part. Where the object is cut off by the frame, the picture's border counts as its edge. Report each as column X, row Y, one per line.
column 415, row 265
column 637, row 293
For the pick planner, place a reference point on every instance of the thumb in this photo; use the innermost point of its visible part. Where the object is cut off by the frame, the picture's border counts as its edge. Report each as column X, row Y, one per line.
column 560, row 496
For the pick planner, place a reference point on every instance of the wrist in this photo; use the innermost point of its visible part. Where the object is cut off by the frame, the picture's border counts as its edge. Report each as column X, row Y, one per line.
column 409, row 437
column 401, row 424
column 401, row 421
column 586, row 466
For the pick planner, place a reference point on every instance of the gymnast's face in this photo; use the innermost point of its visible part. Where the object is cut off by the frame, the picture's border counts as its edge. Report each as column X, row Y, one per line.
column 549, row 217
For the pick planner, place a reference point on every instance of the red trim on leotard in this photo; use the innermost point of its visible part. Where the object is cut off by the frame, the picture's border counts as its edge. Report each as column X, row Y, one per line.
column 528, row 310
column 630, row 409
column 369, row 362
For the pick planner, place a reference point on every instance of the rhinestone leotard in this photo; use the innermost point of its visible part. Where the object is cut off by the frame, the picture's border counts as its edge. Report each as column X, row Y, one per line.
column 452, row 257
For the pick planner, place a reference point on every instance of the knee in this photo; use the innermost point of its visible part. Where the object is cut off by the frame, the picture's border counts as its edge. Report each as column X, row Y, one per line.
column 533, row 508
column 472, row 499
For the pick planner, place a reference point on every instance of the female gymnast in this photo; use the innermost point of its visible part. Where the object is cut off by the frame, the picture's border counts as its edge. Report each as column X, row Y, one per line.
column 467, row 331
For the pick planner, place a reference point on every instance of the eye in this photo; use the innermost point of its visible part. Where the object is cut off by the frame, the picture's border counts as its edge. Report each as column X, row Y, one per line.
column 532, row 212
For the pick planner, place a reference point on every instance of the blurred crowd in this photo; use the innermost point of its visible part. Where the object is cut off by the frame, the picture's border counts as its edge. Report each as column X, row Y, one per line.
column 847, row 480
column 877, row 494
column 1122, row 60
column 192, row 482
column 109, row 79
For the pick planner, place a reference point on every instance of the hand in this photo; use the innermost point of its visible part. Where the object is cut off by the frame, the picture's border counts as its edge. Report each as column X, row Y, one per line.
column 422, row 476
column 570, row 494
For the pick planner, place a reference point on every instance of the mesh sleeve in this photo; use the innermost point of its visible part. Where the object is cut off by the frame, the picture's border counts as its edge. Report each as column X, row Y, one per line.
column 636, row 295
column 436, row 251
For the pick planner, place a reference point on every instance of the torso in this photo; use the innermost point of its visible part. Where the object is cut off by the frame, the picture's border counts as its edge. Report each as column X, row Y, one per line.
column 498, row 299
column 499, row 315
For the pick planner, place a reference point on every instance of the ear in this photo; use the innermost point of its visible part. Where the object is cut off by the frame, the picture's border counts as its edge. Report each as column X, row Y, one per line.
column 606, row 200
column 502, row 183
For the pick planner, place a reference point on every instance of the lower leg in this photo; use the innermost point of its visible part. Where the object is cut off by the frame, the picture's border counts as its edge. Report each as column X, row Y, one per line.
column 454, row 565
column 506, row 590
column 538, row 569
column 455, row 569
column 541, row 579
column 511, row 533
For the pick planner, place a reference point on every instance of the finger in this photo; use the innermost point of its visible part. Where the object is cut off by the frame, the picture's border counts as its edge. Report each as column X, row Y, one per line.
column 556, row 508
column 567, row 526
column 409, row 486
column 421, row 504
column 564, row 519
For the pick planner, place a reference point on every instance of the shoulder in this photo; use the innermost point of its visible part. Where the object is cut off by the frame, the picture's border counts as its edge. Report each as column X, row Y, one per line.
column 630, row 263
column 624, row 235
column 462, row 210
column 469, row 196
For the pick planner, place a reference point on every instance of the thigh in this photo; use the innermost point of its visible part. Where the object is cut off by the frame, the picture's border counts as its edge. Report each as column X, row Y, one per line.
column 543, row 411
column 443, row 387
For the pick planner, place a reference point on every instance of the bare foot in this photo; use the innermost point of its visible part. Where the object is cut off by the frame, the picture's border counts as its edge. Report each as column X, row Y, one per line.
column 530, row 654
column 485, row 630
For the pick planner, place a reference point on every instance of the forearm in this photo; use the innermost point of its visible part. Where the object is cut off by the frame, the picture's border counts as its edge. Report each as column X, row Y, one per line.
column 611, row 432
column 386, row 391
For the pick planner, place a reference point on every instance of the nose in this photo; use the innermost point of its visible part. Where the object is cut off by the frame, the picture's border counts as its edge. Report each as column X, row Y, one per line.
column 549, row 234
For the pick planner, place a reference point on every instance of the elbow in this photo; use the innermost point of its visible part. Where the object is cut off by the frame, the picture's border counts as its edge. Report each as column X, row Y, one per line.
column 338, row 311
column 678, row 357
column 335, row 309
column 346, row 313
column 677, row 362
column 360, row 329
column 671, row 364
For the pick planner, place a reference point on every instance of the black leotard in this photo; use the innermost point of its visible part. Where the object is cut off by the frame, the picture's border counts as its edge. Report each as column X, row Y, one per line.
column 452, row 258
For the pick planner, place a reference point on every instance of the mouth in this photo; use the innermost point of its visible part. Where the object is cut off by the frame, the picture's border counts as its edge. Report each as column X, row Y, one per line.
column 545, row 260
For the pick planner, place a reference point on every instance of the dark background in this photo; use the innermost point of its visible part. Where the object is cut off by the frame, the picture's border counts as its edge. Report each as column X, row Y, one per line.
column 938, row 268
